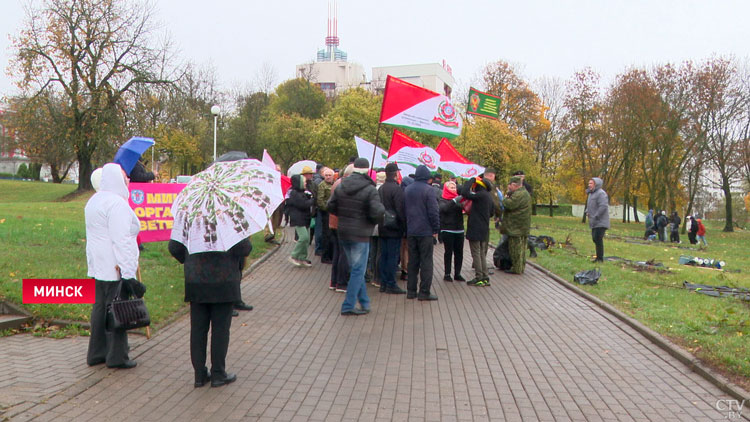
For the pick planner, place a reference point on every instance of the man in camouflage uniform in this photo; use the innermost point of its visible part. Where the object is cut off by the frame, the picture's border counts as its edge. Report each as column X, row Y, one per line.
column 516, row 223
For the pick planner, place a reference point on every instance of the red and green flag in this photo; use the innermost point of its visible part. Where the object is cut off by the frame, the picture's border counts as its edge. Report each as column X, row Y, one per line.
column 452, row 161
column 483, row 104
column 413, row 107
column 409, row 154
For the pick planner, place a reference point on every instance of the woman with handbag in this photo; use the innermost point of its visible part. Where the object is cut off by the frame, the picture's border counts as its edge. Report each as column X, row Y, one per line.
column 452, row 230
column 112, row 255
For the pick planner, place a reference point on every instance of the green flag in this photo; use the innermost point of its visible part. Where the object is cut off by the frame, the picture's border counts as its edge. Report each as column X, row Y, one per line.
column 483, row 104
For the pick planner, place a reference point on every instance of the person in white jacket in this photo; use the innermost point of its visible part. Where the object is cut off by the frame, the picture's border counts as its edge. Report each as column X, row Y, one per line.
column 111, row 254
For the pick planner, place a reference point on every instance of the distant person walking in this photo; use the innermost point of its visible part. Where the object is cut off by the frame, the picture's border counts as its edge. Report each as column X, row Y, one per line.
column 700, row 235
column 692, row 230
column 299, row 206
column 597, row 208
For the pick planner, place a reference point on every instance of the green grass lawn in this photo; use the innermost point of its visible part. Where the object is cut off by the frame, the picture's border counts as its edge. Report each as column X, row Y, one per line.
column 44, row 239
column 716, row 330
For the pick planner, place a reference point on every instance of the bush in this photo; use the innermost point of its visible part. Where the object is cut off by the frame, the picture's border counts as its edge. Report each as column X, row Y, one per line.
column 22, row 172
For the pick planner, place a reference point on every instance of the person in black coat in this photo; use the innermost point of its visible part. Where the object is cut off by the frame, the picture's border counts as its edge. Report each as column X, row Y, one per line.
column 139, row 174
column 212, row 286
column 299, row 206
column 661, row 225
column 392, row 197
column 358, row 207
column 452, row 230
column 478, row 228
column 674, row 234
column 422, row 228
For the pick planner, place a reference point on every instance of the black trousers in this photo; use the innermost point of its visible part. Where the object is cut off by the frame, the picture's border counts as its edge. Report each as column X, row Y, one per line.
column 325, row 238
column 597, row 235
column 340, row 267
column 454, row 250
column 420, row 262
column 109, row 346
column 217, row 316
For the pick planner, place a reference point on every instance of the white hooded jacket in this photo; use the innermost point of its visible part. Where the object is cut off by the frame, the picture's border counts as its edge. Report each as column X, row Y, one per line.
column 111, row 229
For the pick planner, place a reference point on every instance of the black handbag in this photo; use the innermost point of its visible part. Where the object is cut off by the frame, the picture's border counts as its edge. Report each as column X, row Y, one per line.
column 390, row 220
column 127, row 314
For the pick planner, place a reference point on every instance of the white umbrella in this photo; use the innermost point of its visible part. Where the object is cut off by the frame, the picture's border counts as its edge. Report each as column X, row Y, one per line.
column 225, row 204
column 296, row 168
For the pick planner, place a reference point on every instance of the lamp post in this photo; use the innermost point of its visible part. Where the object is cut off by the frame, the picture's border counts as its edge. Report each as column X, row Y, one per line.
column 215, row 110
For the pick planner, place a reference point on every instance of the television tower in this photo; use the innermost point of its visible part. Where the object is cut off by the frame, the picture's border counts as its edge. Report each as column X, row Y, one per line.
column 332, row 39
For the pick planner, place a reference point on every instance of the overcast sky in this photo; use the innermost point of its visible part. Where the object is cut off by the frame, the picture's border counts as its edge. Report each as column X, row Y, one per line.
column 541, row 37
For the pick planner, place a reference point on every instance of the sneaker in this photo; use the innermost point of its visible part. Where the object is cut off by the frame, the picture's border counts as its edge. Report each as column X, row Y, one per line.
column 486, row 282
column 447, row 277
column 427, row 296
column 306, row 263
column 473, row 282
column 411, row 295
column 375, row 283
column 332, row 287
column 395, row 290
column 354, row 311
column 295, row 262
column 340, row 290
column 459, row 278
column 404, row 275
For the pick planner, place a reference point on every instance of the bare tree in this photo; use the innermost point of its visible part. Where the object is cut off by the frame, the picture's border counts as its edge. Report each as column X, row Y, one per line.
column 94, row 52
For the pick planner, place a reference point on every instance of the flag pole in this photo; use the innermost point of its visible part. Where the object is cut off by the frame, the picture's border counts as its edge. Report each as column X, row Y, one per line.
column 375, row 148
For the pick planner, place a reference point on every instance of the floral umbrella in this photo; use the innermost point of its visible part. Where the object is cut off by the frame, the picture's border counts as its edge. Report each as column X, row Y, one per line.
column 225, row 204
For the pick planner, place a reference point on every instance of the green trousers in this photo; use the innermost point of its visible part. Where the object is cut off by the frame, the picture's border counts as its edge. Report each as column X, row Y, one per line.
column 517, row 250
column 303, row 241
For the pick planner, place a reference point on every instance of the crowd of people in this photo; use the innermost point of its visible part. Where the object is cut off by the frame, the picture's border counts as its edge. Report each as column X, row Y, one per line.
column 659, row 224
column 360, row 221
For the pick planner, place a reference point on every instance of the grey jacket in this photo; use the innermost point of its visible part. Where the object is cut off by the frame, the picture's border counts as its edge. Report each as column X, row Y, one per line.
column 598, row 206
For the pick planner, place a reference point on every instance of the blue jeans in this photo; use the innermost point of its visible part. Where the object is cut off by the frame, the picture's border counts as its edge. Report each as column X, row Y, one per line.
column 390, row 248
column 356, row 253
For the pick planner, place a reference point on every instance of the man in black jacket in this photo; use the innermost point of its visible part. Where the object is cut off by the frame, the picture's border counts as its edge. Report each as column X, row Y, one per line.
column 357, row 205
column 478, row 228
column 392, row 197
column 422, row 227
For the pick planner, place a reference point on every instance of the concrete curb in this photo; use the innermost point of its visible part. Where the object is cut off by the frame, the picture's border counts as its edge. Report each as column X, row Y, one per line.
column 676, row 351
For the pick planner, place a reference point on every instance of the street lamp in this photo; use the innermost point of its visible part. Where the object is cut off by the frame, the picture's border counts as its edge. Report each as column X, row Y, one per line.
column 215, row 110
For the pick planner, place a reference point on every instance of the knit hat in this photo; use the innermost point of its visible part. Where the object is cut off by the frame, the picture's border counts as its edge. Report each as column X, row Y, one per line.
column 490, row 170
column 391, row 168
column 306, row 170
column 361, row 165
column 516, row 179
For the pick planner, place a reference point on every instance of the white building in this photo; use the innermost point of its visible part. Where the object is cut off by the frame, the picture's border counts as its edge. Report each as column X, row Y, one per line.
column 333, row 77
column 433, row 76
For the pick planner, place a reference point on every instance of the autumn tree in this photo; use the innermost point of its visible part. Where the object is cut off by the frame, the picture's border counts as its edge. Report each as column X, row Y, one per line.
column 242, row 130
column 550, row 143
column 725, row 119
column 493, row 143
column 298, row 96
column 354, row 113
column 93, row 52
column 39, row 123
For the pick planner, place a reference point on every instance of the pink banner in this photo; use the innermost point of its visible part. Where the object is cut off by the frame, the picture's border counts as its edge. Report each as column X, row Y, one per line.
column 152, row 203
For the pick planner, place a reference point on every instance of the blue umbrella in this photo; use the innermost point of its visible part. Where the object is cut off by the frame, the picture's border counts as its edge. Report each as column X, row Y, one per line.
column 130, row 152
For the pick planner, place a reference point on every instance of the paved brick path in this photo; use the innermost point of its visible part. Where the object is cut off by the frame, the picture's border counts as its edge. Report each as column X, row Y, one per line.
column 523, row 349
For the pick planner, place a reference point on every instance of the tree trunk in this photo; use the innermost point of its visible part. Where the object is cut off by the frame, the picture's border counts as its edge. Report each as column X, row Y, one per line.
column 728, row 226
column 551, row 213
column 635, row 209
column 84, row 171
